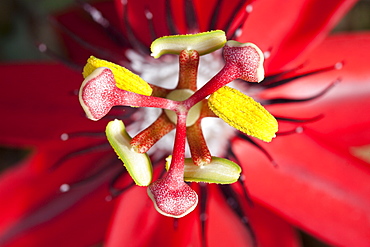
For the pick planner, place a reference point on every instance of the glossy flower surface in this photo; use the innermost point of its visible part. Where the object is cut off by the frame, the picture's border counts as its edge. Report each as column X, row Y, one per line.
column 314, row 175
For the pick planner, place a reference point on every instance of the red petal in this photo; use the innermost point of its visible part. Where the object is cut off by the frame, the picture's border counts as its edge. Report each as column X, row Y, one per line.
column 344, row 107
column 38, row 103
column 295, row 33
column 172, row 17
column 35, row 213
column 292, row 31
column 270, row 230
column 136, row 223
column 88, row 37
column 83, row 224
column 314, row 188
column 318, row 184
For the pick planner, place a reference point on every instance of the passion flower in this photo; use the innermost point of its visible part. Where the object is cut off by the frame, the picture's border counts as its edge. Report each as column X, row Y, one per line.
column 107, row 84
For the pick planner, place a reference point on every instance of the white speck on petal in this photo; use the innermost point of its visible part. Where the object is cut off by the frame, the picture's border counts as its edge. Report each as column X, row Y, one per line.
column 249, row 8
column 338, row 66
column 299, row 129
column 64, row 137
column 42, row 47
column 148, row 15
column 64, row 188
column 267, row 54
column 238, row 32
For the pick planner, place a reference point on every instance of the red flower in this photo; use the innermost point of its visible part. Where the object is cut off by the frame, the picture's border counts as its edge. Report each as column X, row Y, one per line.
column 320, row 182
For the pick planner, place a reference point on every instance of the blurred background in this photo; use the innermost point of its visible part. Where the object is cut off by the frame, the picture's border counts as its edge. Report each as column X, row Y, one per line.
column 23, row 23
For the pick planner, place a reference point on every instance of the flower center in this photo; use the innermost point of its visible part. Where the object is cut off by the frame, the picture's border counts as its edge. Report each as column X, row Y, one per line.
column 107, row 85
column 194, row 112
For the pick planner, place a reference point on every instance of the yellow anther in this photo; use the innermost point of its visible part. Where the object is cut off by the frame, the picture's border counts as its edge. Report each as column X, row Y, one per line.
column 124, row 78
column 203, row 43
column 243, row 113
